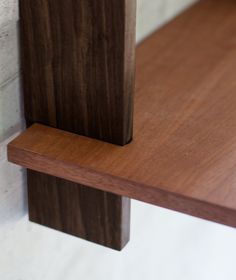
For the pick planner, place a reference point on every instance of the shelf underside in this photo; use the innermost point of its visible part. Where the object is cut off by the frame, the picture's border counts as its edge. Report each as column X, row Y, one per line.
column 183, row 155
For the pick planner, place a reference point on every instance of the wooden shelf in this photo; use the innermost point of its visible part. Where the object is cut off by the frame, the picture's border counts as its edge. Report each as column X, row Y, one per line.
column 183, row 155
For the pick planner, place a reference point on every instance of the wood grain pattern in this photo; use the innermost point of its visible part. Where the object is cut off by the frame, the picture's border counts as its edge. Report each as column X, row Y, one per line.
column 78, row 75
column 78, row 66
column 183, row 153
column 77, row 210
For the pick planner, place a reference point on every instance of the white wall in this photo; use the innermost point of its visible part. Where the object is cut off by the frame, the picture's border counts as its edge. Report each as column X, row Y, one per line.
column 164, row 245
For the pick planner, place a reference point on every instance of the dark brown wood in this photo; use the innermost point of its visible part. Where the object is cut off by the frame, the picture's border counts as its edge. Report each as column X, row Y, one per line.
column 183, row 153
column 78, row 66
column 73, row 210
column 78, row 75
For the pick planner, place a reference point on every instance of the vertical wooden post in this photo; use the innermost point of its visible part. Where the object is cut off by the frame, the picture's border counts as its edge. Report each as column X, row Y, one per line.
column 78, row 75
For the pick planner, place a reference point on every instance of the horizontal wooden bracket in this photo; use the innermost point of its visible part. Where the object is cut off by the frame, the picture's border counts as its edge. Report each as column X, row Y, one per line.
column 176, row 178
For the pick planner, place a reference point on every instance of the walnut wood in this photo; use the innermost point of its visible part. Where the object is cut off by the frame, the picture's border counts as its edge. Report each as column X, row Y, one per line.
column 183, row 153
column 78, row 75
column 78, row 66
column 73, row 210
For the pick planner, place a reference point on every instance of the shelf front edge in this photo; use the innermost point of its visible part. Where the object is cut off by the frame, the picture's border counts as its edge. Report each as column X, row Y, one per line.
column 27, row 158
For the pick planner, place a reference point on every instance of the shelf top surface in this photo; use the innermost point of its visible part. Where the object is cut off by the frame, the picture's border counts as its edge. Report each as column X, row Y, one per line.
column 183, row 155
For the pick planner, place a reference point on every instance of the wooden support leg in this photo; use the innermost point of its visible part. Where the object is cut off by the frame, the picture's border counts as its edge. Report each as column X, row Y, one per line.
column 92, row 214
column 78, row 75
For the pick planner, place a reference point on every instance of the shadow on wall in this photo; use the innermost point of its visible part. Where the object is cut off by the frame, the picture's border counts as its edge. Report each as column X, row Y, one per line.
column 11, row 108
column 13, row 198
column 13, row 194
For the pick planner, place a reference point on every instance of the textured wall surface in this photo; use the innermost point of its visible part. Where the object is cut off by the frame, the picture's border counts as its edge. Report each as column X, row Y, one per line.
column 164, row 245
